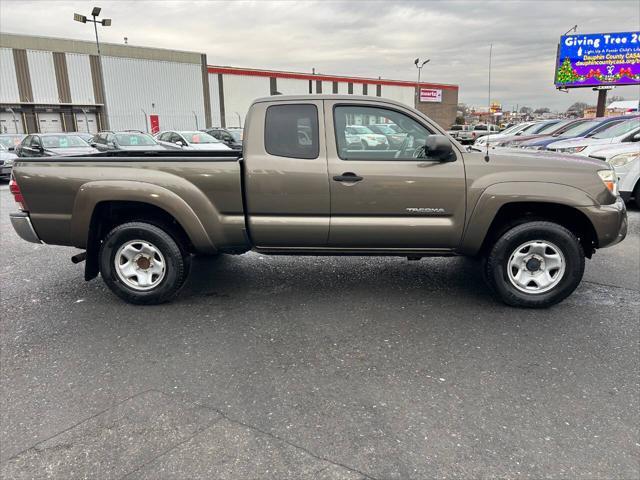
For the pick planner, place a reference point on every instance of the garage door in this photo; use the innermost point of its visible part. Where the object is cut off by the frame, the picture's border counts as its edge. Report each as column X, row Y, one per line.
column 9, row 124
column 82, row 121
column 50, row 122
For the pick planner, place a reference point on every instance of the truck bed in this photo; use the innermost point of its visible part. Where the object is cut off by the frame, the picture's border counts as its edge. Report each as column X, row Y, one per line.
column 63, row 192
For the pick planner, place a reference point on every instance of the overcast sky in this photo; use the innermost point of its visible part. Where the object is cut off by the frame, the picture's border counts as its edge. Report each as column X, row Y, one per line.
column 363, row 38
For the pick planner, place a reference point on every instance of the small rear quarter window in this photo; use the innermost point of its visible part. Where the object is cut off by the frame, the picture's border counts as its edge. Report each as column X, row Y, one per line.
column 292, row 131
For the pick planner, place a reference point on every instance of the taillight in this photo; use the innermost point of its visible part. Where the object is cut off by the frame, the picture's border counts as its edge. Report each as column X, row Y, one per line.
column 14, row 188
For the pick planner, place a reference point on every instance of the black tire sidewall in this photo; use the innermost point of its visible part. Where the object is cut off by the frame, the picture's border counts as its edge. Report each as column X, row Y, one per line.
column 497, row 264
column 175, row 261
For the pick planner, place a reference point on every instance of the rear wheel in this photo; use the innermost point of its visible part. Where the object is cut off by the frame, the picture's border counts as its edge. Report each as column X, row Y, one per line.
column 142, row 263
column 636, row 194
column 535, row 265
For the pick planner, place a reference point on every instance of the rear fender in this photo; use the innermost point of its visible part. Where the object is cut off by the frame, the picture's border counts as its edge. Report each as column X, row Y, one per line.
column 93, row 193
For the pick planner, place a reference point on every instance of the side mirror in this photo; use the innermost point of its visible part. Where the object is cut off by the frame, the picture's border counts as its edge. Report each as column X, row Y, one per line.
column 439, row 147
column 179, row 142
column 11, row 149
column 636, row 137
column 93, row 144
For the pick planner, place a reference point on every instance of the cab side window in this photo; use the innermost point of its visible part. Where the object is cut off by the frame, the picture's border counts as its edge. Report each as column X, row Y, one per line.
column 372, row 133
column 292, row 131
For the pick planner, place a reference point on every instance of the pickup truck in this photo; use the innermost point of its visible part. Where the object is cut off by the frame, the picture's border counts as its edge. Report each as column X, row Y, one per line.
column 300, row 188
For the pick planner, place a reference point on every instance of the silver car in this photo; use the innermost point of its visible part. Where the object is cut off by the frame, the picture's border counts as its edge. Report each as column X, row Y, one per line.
column 190, row 140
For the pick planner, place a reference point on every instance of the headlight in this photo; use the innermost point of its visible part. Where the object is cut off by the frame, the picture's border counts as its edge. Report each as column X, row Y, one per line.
column 8, row 163
column 623, row 159
column 610, row 180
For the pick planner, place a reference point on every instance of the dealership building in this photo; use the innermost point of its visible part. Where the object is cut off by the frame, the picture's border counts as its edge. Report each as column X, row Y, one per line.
column 57, row 85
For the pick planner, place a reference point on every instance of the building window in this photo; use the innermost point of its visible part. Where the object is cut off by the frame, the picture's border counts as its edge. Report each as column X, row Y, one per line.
column 292, row 131
column 318, row 86
column 364, row 88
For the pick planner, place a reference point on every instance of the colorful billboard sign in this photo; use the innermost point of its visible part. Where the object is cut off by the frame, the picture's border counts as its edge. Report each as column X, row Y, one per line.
column 598, row 59
column 430, row 95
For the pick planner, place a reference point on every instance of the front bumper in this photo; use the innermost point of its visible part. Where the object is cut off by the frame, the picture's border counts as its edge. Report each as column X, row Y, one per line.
column 609, row 221
column 22, row 225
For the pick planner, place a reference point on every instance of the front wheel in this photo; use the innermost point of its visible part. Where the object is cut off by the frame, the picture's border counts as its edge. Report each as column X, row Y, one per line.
column 142, row 263
column 535, row 265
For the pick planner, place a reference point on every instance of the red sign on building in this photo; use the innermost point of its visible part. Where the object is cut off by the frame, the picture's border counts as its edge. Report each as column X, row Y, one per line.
column 155, row 123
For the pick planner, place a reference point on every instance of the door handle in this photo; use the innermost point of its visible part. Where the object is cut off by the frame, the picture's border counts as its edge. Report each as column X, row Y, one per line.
column 348, row 177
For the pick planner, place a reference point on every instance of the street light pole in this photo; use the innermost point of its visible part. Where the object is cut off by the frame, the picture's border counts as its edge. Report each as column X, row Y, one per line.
column 419, row 67
column 95, row 13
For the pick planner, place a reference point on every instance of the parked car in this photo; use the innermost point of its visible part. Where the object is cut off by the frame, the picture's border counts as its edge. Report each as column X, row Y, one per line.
column 490, row 138
column 368, row 139
column 190, row 140
column 53, row 144
column 584, row 127
column 545, row 129
column 533, row 217
column 625, row 160
column 623, row 132
column 456, row 131
column 482, row 130
column 11, row 140
column 237, row 132
column 395, row 137
column 125, row 140
column 6, row 161
column 226, row 137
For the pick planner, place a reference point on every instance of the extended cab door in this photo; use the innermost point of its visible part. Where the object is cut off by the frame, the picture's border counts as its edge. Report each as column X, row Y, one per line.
column 390, row 194
column 286, row 182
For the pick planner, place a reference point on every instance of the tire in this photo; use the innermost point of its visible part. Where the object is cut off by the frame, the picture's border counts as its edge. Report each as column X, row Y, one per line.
column 540, row 242
column 161, row 265
column 636, row 194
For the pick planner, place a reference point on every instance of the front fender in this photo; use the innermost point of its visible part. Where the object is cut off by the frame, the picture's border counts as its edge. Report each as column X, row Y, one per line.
column 91, row 194
column 497, row 195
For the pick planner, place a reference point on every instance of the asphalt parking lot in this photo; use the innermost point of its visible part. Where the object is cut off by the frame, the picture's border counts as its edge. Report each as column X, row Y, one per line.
column 319, row 368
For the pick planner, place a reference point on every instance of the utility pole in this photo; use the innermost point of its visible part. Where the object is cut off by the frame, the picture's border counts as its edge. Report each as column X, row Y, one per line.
column 419, row 67
column 95, row 13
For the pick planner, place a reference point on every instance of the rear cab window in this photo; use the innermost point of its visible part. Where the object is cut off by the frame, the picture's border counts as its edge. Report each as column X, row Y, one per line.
column 292, row 131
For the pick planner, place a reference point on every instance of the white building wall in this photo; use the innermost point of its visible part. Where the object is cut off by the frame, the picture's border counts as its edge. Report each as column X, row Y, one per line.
column 343, row 88
column 239, row 92
column 8, row 81
column 327, row 87
column 214, row 96
column 171, row 90
column 292, row 86
column 80, row 81
column 43, row 77
column 405, row 95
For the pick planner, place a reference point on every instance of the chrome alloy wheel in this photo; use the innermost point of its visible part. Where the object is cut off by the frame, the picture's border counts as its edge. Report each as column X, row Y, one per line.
column 140, row 265
column 536, row 266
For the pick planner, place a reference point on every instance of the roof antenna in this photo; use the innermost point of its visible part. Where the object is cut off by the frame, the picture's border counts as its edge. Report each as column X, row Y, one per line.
column 486, row 155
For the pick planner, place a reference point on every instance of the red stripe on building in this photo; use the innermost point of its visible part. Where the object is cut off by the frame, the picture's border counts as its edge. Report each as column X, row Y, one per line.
column 325, row 78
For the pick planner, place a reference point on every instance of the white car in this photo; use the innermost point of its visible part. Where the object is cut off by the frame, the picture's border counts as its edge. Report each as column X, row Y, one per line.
column 625, row 160
column 507, row 132
column 190, row 140
column 6, row 161
column 624, row 132
column 368, row 139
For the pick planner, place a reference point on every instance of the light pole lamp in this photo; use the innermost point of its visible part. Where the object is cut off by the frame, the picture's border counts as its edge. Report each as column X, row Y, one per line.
column 105, row 22
column 419, row 66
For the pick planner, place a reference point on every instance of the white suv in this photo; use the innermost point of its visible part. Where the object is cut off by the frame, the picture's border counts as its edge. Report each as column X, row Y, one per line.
column 625, row 160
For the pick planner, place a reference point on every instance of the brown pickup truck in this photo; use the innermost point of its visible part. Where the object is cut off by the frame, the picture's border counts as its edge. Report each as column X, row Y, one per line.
column 306, row 184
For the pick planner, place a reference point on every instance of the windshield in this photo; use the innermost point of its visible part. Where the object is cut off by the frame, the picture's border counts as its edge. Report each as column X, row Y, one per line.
column 456, row 127
column 134, row 139
column 63, row 141
column 578, row 129
column 618, row 129
column 541, row 127
column 511, row 129
column 237, row 135
column 480, row 127
column 199, row 137
column 11, row 140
